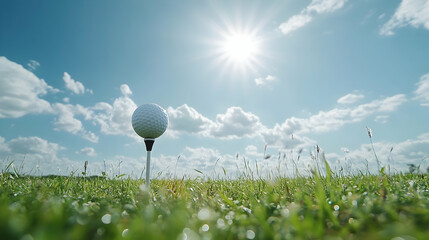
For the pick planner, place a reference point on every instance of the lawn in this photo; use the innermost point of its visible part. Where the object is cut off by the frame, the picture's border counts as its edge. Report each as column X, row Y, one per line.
column 334, row 206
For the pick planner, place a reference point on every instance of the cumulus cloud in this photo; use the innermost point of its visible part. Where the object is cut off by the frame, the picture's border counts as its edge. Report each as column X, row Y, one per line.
column 265, row 81
column 87, row 151
column 422, row 92
column 350, row 98
column 410, row 12
column 316, row 6
column 3, row 146
column 397, row 155
column 208, row 161
column 33, row 64
column 381, row 118
column 326, row 121
column 236, row 123
column 281, row 136
column 185, row 119
column 116, row 119
column 388, row 104
column 125, row 90
column 20, row 91
column 33, row 145
column 337, row 117
column 252, row 151
column 75, row 86
column 112, row 119
column 66, row 120
column 35, row 156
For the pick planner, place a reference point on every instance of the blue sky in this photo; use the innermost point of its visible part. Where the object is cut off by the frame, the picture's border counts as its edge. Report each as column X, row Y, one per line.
column 233, row 77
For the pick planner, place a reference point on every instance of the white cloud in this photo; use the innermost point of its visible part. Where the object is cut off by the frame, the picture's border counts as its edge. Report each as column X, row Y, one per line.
column 422, row 92
column 337, row 117
column 75, row 86
column 326, row 121
column 235, row 123
column 382, row 118
column 209, row 161
column 20, row 91
column 66, row 120
column 33, row 145
column 265, row 81
column 88, row 151
column 37, row 156
column 388, row 104
column 116, row 119
column 398, row 155
column 283, row 136
column 125, row 90
column 295, row 22
column 90, row 136
column 3, row 146
column 350, row 98
column 34, row 155
column 316, row 6
column 325, row 6
column 409, row 12
column 33, row 64
column 252, row 150
column 185, row 119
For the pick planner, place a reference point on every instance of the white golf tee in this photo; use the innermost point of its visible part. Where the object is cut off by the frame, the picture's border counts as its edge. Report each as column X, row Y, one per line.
column 149, row 144
column 148, row 169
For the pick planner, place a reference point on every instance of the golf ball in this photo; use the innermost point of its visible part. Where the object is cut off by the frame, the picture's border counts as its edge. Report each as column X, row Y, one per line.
column 149, row 120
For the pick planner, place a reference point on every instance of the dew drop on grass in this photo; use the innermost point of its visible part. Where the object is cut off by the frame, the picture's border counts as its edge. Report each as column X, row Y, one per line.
column 100, row 231
column 336, row 207
column 250, row 234
column 124, row 233
column 205, row 228
column 27, row 237
column 106, row 219
column 220, row 223
column 204, row 214
column 285, row 212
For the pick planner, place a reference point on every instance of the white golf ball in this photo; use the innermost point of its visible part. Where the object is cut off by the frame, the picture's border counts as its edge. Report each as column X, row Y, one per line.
column 150, row 120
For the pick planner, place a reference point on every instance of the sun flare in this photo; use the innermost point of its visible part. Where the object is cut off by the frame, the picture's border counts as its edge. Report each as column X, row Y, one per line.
column 240, row 47
column 238, row 50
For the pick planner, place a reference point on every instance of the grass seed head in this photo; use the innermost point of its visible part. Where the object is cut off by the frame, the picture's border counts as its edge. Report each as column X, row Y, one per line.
column 369, row 132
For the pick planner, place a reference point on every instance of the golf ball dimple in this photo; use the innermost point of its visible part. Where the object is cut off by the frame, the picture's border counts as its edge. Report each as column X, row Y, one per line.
column 150, row 120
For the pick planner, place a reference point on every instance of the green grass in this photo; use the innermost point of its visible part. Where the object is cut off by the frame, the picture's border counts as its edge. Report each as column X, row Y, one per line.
column 331, row 207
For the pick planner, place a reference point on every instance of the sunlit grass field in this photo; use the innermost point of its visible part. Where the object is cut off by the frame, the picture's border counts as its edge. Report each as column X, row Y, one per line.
column 331, row 206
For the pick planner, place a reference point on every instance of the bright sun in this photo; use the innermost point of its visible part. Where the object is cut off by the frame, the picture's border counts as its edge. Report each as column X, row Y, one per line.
column 238, row 51
column 239, row 47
